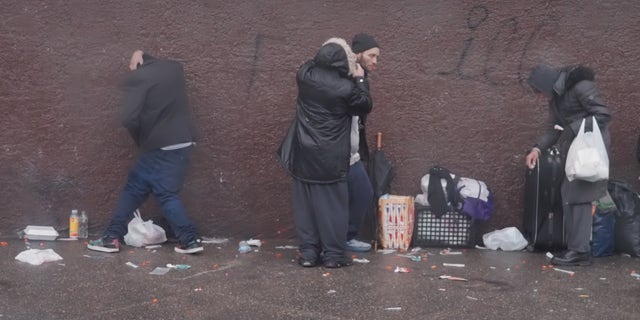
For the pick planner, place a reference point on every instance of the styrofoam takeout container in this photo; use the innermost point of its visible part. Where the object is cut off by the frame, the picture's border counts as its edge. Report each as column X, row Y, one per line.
column 40, row 233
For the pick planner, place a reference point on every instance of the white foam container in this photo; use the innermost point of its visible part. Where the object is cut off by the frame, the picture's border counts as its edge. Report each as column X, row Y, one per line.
column 40, row 233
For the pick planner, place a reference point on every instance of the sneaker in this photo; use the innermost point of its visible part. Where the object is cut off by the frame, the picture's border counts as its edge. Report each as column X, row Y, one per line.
column 191, row 247
column 104, row 245
column 358, row 246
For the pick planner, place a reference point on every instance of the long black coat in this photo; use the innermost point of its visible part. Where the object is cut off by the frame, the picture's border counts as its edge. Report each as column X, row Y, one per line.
column 575, row 97
column 316, row 148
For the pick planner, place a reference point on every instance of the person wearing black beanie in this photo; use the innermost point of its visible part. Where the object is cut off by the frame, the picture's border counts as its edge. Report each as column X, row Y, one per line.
column 367, row 52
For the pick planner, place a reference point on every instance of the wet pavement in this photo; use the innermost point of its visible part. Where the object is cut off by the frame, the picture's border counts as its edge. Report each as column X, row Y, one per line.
column 268, row 284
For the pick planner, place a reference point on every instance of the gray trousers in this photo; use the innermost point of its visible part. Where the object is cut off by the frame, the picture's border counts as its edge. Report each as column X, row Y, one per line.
column 578, row 221
column 321, row 217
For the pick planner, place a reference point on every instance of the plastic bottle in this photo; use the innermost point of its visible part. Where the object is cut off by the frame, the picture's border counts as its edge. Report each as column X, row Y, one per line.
column 74, row 221
column 244, row 247
column 83, row 230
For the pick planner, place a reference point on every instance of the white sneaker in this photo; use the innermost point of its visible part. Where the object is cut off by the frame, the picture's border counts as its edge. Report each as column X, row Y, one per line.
column 358, row 246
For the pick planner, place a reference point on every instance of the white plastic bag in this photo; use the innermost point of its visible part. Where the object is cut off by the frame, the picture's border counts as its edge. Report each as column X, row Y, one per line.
column 587, row 158
column 37, row 257
column 507, row 239
column 143, row 233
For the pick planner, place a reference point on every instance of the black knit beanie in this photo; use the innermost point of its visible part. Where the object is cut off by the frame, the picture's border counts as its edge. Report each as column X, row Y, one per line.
column 362, row 42
column 542, row 78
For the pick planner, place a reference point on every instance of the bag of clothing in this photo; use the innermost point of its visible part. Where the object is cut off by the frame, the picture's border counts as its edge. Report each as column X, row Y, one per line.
column 587, row 158
column 477, row 199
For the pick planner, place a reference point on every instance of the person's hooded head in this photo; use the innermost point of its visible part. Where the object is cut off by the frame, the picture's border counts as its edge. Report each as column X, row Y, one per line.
column 335, row 53
column 542, row 79
column 367, row 51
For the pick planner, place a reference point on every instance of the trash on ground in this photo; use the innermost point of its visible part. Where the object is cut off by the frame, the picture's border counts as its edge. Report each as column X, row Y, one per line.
column 416, row 249
column 331, row 291
column 67, row 239
column 472, row 298
column 244, row 247
column 287, row 247
column 446, row 277
column 569, row 272
column 584, row 296
column 457, row 265
column 3, row 243
column 197, row 289
column 507, row 239
column 448, row 251
column 386, row 251
column 326, row 274
column 37, row 257
column 153, row 246
column 254, row 243
column 549, row 255
column 393, row 308
column 401, row 270
column 635, row 275
column 178, row 266
column 212, row 240
column 159, row 271
column 40, row 233
column 363, row 260
column 132, row 265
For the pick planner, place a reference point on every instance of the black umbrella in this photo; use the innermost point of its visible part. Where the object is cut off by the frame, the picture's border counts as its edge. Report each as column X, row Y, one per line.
column 381, row 173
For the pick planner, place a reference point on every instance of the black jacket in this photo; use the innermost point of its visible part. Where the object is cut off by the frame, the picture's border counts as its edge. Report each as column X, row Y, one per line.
column 156, row 111
column 576, row 96
column 316, row 148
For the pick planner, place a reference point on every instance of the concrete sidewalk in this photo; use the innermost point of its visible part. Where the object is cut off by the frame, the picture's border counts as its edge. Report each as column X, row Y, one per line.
column 269, row 284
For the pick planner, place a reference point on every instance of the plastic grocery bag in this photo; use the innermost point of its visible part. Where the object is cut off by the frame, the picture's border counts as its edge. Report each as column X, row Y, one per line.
column 507, row 239
column 37, row 257
column 143, row 233
column 587, row 158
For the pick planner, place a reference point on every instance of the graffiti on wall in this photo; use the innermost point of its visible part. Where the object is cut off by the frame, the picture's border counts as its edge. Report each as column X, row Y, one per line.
column 499, row 61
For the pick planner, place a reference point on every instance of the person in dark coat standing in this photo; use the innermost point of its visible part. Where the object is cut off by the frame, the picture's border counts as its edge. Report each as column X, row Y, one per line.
column 367, row 51
column 316, row 151
column 158, row 117
column 573, row 96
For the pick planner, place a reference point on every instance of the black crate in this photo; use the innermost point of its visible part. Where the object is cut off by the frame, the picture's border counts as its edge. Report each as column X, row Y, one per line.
column 453, row 229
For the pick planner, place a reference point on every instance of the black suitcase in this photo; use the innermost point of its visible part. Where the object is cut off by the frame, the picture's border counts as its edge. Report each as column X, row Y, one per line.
column 543, row 217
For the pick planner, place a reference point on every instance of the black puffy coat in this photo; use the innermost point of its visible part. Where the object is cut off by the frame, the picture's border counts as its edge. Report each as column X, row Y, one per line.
column 316, row 148
column 575, row 97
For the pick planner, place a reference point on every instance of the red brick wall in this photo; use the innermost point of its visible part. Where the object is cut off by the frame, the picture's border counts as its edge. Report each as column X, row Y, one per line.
column 449, row 91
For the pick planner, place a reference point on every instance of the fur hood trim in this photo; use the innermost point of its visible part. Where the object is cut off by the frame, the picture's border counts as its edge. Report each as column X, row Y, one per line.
column 351, row 57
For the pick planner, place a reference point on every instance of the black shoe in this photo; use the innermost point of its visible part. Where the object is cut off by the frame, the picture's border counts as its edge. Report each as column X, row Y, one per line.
column 307, row 263
column 572, row 258
column 333, row 264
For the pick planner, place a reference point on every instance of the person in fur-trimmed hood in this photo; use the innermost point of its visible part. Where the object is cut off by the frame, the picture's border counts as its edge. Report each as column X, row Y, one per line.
column 317, row 148
column 573, row 96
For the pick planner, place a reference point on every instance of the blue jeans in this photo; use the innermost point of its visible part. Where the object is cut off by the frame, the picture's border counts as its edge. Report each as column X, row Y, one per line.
column 360, row 197
column 161, row 172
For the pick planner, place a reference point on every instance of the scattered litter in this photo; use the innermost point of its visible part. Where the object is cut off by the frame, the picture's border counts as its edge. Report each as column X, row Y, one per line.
column 472, row 298
column 159, row 271
column 452, row 278
column 4, row 244
column 393, row 308
column 66, row 239
column 363, row 260
column 287, row 247
column 635, row 275
column 458, row 265
column 213, row 240
column 603, row 279
column 416, row 258
column 37, row 257
column 326, row 274
column 481, row 247
column 386, row 251
column 97, row 257
column 549, row 255
column 154, row 300
column 153, row 246
column 442, row 289
column 416, row 249
column 197, row 289
column 584, row 296
column 492, row 268
column 40, row 233
column 132, row 265
column 401, row 270
column 571, row 273
column 331, row 291
column 244, row 247
column 178, row 266
column 254, row 243
column 448, row 251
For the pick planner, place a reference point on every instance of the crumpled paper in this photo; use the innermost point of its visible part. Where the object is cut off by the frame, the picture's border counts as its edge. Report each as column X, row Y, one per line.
column 37, row 257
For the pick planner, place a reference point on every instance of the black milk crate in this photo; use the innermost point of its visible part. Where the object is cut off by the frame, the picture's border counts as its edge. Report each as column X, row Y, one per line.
column 453, row 229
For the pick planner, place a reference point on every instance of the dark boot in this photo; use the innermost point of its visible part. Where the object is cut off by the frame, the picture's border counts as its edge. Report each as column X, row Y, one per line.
column 572, row 258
